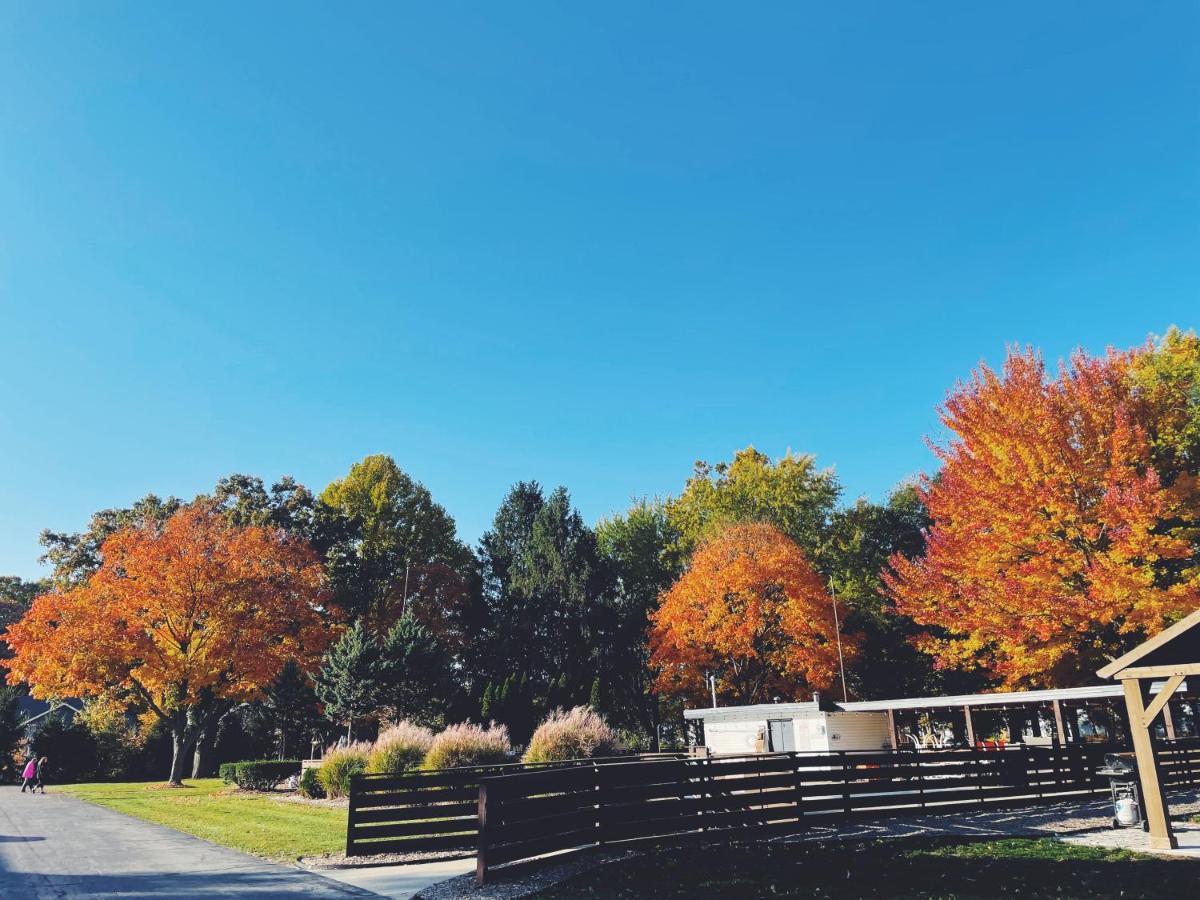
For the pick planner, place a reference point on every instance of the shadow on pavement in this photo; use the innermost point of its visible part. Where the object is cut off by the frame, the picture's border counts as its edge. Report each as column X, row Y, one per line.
column 25, row 886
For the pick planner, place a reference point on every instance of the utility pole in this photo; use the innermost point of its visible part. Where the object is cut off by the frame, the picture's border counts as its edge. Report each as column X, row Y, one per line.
column 837, row 628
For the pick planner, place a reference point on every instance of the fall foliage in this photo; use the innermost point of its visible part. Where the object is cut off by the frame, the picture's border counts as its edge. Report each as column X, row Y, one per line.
column 1056, row 543
column 752, row 611
column 181, row 615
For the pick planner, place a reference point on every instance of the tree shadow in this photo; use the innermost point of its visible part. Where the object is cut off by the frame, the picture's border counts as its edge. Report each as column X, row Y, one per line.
column 19, row 838
column 896, row 868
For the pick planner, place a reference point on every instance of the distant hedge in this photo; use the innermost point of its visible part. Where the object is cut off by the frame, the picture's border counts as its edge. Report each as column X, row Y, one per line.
column 258, row 774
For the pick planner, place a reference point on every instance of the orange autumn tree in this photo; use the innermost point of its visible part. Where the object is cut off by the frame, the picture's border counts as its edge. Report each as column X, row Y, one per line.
column 184, row 616
column 1055, row 543
column 750, row 610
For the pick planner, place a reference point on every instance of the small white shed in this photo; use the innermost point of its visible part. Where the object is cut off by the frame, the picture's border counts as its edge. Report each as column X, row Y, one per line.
column 803, row 727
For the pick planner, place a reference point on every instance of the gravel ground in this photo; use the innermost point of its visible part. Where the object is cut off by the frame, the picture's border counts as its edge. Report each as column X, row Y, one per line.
column 1043, row 820
column 523, row 881
column 342, row 861
column 1131, row 838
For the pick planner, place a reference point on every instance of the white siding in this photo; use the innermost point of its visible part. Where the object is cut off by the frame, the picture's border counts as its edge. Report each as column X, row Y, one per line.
column 732, row 737
column 858, row 731
column 812, row 736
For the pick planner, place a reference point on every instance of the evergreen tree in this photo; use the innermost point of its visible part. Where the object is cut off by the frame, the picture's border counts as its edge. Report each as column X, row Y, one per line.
column 415, row 674
column 640, row 547
column 291, row 712
column 545, row 597
column 349, row 682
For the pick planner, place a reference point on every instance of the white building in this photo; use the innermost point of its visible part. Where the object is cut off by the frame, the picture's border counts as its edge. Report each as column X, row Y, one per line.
column 1033, row 717
column 803, row 727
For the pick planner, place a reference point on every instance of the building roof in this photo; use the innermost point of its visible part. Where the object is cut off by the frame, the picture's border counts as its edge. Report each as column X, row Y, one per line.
column 755, row 711
column 1002, row 698
column 762, row 711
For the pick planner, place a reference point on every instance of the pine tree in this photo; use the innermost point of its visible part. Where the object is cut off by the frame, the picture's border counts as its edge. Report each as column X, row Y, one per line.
column 489, row 700
column 348, row 683
column 596, row 700
column 415, row 673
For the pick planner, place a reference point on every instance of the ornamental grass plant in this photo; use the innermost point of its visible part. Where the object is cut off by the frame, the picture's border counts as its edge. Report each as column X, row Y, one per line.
column 467, row 744
column 399, row 748
column 579, row 733
column 339, row 764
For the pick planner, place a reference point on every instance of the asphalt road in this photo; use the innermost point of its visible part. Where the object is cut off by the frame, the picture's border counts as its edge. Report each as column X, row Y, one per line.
column 54, row 846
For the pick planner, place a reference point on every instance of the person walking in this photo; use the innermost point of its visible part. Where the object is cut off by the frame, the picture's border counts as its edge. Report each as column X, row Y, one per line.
column 29, row 776
column 41, row 773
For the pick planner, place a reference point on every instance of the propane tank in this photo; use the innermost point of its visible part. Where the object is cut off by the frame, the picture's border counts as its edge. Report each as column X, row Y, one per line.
column 1127, row 811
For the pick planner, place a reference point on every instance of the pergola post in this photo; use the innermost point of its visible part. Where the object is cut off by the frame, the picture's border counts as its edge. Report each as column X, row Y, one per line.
column 1173, row 654
column 892, row 730
column 970, row 726
column 1059, row 730
column 1162, row 837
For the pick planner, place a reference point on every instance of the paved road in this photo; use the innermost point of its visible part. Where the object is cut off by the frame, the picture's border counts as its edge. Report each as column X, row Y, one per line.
column 54, row 846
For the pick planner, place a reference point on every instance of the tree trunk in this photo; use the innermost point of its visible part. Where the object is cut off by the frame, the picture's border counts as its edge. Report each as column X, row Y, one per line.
column 202, row 759
column 183, row 742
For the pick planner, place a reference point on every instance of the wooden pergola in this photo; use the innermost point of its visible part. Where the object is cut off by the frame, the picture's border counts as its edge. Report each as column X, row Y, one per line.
column 1171, row 655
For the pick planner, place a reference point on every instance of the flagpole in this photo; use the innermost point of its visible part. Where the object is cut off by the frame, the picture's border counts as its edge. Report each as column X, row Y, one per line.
column 837, row 628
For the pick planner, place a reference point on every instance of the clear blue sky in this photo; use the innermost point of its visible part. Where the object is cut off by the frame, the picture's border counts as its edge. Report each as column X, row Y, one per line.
column 586, row 245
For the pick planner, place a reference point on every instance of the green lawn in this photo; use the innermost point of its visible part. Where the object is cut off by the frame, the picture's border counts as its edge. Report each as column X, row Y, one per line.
column 253, row 823
column 902, row 868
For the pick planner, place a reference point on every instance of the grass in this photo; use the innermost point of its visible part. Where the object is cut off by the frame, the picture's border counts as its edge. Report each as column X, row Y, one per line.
column 901, row 868
column 207, row 808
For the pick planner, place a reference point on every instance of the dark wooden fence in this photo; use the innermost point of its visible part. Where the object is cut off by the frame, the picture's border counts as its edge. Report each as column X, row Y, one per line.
column 529, row 814
column 436, row 810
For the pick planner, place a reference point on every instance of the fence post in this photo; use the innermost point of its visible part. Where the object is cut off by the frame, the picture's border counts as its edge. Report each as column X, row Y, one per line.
column 350, row 810
column 481, row 865
column 845, row 782
column 979, row 772
column 795, row 757
column 916, row 762
column 599, row 791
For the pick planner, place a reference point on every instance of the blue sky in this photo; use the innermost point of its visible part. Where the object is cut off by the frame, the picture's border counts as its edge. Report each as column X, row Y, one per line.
column 583, row 245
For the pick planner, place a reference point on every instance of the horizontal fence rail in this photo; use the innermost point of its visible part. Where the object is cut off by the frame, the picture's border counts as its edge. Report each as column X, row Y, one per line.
column 529, row 814
column 435, row 811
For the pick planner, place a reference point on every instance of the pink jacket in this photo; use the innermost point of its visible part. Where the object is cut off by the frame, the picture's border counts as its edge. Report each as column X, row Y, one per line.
column 30, row 769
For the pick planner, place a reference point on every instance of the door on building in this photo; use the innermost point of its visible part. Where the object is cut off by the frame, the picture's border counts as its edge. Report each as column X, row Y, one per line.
column 782, row 735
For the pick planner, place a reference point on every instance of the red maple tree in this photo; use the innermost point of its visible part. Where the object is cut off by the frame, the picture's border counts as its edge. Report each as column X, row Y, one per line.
column 1055, row 544
column 751, row 611
column 181, row 617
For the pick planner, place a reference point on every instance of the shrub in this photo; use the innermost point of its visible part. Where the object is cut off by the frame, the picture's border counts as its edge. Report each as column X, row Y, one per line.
column 400, row 748
column 468, row 745
column 225, row 770
column 310, row 784
column 259, row 774
column 339, row 764
column 577, row 733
